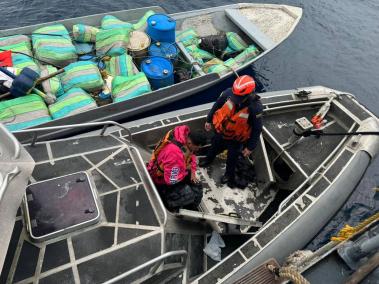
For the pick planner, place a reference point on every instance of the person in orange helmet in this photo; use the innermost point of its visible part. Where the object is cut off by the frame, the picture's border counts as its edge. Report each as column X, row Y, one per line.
column 236, row 118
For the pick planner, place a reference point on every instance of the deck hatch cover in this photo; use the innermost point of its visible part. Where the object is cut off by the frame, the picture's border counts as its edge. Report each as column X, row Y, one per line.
column 59, row 205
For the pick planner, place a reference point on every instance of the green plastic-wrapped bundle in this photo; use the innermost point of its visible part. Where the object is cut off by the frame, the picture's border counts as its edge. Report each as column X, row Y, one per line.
column 74, row 101
column 52, row 86
column 188, row 37
column 248, row 54
column 19, row 44
column 121, row 65
column 199, row 54
column 112, row 42
column 53, row 44
column 142, row 23
column 210, row 65
column 235, row 42
column 82, row 74
column 111, row 22
column 84, row 33
column 224, row 67
column 126, row 88
column 23, row 112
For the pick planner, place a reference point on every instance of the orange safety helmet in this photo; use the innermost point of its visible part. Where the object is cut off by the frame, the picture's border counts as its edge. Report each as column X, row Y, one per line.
column 243, row 85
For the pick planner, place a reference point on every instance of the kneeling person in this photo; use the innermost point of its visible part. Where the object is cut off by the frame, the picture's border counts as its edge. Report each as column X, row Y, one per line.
column 173, row 168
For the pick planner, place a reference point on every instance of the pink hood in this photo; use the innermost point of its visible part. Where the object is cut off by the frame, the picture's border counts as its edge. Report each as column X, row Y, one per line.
column 181, row 133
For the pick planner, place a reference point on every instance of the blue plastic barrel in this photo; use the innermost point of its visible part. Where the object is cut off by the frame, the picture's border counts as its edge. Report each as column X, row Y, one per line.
column 161, row 27
column 164, row 49
column 159, row 71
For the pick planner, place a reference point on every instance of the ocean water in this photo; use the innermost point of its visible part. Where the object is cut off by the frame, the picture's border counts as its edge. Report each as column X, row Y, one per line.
column 336, row 45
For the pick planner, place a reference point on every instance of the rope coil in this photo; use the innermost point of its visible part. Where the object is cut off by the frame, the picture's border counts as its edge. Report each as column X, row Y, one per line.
column 288, row 274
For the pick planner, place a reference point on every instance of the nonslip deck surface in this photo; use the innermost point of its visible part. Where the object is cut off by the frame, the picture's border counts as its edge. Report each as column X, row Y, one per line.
column 248, row 203
column 128, row 226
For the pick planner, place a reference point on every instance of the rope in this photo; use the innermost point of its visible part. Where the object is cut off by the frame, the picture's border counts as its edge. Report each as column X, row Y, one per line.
column 288, row 274
column 293, row 275
column 348, row 231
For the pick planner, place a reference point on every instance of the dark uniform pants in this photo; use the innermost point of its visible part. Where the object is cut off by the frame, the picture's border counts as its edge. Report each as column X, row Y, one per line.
column 234, row 148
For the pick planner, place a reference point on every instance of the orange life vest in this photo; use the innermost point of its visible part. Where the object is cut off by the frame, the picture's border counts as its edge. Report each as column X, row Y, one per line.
column 169, row 138
column 231, row 124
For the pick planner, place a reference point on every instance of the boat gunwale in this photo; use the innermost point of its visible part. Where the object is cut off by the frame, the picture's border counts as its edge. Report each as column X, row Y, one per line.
column 194, row 89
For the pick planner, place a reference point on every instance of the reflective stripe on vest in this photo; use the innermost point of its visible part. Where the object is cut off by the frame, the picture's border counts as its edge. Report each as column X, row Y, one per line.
column 230, row 124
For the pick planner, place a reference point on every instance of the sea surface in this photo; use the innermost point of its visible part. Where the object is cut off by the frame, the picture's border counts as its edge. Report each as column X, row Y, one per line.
column 336, row 45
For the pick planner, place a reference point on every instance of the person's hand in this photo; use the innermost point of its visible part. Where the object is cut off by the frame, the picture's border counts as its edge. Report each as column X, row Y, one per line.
column 194, row 178
column 208, row 126
column 246, row 152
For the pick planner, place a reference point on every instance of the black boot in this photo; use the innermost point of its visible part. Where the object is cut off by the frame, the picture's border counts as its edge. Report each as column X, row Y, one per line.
column 229, row 181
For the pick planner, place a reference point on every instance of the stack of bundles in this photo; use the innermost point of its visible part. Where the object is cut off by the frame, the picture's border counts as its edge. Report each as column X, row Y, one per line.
column 121, row 65
column 111, row 22
column 51, row 87
column 222, row 68
column 188, row 37
column 125, row 88
column 142, row 23
column 23, row 112
column 84, row 33
column 199, row 54
column 74, row 101
column 53, row 44
column 82, row 74
column 19, row 43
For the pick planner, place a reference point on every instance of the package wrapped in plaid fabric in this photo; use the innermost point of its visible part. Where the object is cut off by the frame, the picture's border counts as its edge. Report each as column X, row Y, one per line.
column 53, row 45
column 21, row 48
column 112, row 42
column 82, row 74
column 23, row 112
column 84, row 33
column 74, row 101
column 52, row 86
column 125, row 88
column 111, row 22
column 142, row 23
column 121, row 65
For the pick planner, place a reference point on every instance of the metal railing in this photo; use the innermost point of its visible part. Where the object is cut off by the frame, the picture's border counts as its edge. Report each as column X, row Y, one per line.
column 105, row 124
column 156, row 261
column 8, row 177
column 12, row 141
column 146, row 176
column 318, row 170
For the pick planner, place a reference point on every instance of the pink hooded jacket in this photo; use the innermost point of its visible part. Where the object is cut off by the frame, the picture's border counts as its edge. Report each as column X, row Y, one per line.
column 172, row 160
